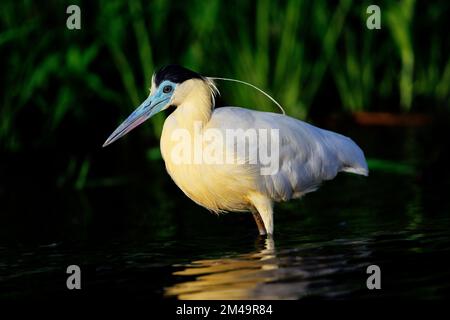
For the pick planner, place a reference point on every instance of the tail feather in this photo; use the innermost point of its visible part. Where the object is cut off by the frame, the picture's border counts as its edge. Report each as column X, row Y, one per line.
column 352, row 157
column 360, row 170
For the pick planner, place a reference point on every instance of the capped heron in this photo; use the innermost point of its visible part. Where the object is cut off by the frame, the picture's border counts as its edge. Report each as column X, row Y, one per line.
column 306, row 155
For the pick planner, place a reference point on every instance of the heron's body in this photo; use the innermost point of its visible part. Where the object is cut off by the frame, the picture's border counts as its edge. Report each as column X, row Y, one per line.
column 307, row 156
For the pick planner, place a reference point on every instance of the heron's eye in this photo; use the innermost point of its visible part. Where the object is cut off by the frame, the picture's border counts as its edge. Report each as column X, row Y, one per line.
column 167, row 89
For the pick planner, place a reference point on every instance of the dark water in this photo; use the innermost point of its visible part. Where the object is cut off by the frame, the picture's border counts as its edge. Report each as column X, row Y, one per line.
column 142, row 238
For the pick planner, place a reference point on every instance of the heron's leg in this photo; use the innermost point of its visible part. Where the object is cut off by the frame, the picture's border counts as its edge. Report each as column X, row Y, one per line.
column 264, row 206
column 259, row 221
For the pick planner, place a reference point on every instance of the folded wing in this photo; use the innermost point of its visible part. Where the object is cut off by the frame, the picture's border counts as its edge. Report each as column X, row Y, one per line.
column 307, row 155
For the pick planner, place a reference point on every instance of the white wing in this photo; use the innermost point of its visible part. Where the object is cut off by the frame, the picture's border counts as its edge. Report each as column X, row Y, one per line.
column 308, row 155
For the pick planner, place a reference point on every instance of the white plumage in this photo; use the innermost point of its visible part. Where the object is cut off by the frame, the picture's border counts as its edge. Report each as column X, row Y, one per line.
column 307, row 155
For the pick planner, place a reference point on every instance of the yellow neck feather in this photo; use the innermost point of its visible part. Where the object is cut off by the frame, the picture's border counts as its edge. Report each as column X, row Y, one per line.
column 196, row 105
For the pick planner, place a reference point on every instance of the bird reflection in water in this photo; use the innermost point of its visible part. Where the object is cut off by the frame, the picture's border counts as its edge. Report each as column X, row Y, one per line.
column 313, row 269
column 239, row 277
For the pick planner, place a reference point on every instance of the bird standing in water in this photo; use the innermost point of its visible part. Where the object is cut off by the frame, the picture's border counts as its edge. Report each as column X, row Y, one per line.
column 304, row 154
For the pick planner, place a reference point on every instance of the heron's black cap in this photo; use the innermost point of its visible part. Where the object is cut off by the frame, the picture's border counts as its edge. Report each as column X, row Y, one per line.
column 176, row 74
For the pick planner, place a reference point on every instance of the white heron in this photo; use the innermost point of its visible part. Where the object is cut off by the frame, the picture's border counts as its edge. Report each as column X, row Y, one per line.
column 306, row 155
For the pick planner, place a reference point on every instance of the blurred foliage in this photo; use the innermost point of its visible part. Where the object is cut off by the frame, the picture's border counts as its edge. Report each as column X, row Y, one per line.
column 391, row 167
column 307, row 54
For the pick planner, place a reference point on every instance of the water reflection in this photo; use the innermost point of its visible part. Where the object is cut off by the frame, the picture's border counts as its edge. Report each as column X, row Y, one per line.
column 229, row 277
column 267, row 273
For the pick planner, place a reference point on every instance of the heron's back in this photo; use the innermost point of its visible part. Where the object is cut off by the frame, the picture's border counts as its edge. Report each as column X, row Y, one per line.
column 308, row 155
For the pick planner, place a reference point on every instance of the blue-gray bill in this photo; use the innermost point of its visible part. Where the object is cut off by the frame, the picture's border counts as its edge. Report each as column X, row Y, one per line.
column 151, row 106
